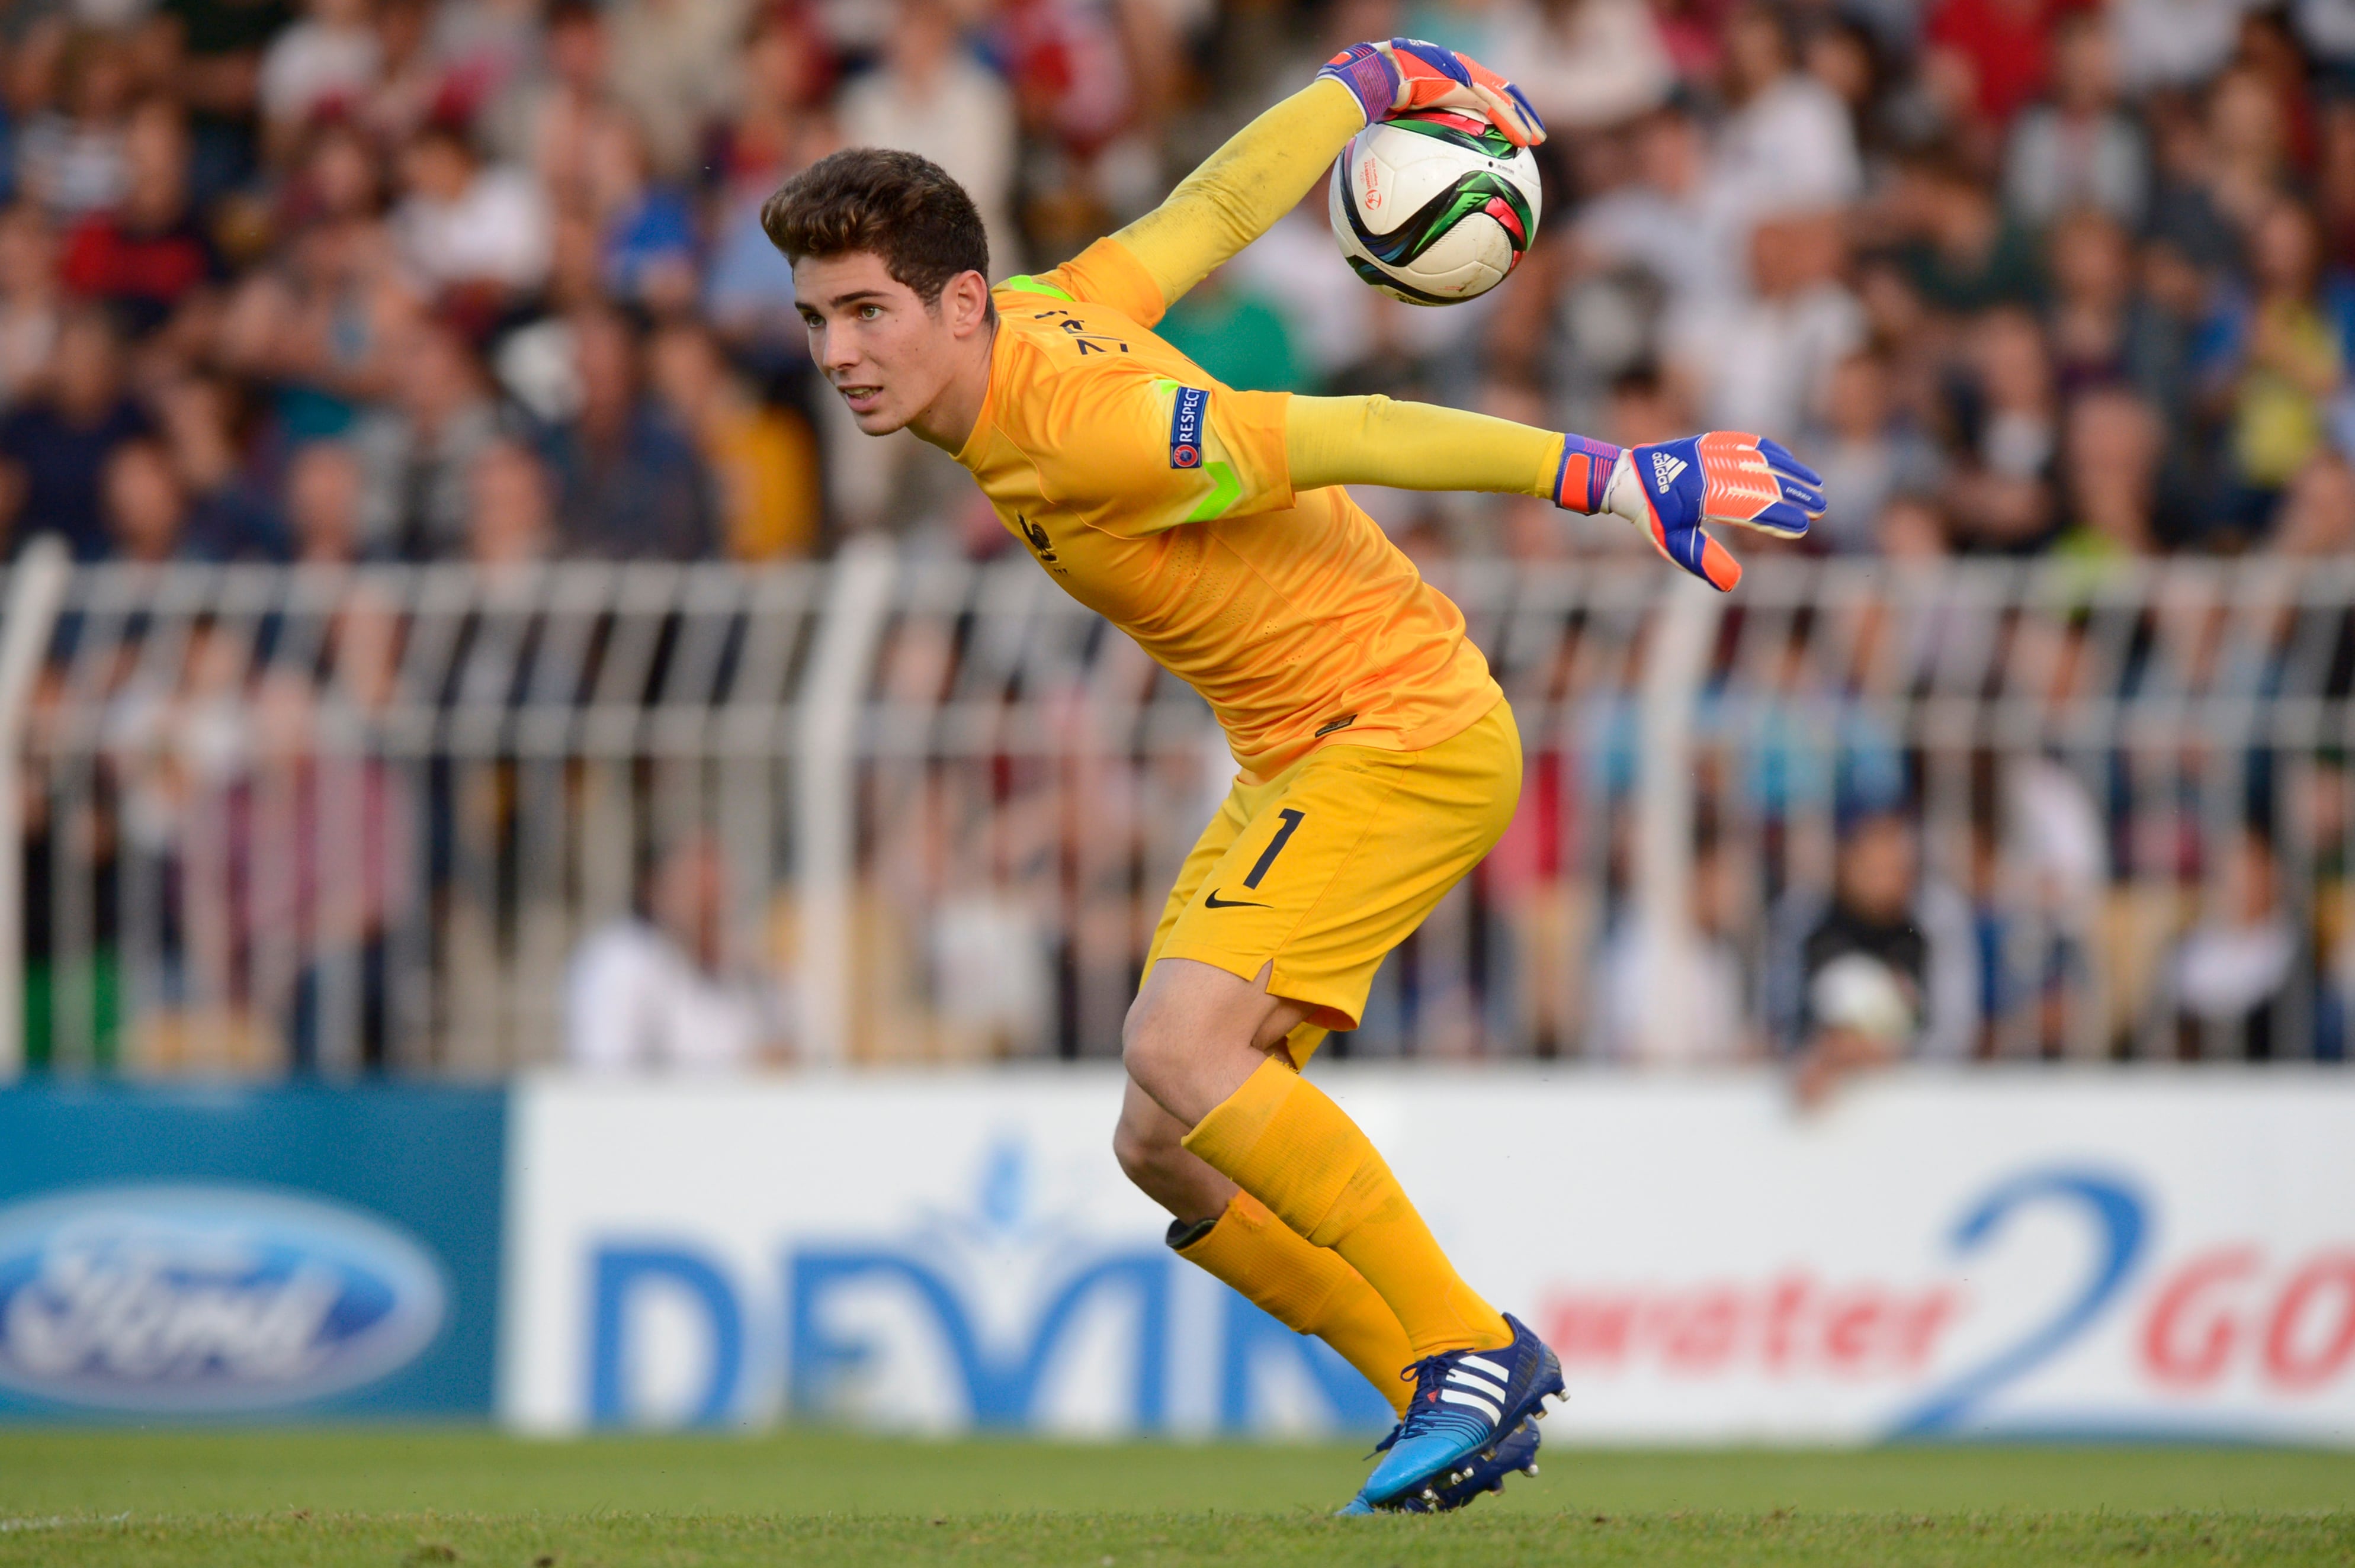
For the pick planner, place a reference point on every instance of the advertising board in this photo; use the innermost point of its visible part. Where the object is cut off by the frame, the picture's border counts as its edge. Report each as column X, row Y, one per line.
column 217, row 1253
column 1935, row 1254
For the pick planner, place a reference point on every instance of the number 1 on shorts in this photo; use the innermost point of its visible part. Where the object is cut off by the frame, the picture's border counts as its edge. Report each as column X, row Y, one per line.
column 1274, row 845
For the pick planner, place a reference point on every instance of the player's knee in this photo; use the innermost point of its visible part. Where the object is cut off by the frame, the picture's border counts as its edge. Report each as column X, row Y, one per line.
column 1137, row 1047
column 1141, row 1155
column 1151, row 1044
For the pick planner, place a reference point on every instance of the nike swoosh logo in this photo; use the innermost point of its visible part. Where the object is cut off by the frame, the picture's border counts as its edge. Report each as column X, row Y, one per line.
column 1215, row 902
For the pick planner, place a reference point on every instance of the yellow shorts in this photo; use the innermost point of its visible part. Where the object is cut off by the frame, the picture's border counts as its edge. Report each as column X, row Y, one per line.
column 1323, row 869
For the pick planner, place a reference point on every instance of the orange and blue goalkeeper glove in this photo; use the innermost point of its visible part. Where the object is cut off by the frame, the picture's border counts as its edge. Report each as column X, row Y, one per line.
column 1406, row 73
column 1671, row 488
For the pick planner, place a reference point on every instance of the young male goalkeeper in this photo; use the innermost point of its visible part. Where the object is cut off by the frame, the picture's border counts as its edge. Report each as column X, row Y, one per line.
column 1379, row 758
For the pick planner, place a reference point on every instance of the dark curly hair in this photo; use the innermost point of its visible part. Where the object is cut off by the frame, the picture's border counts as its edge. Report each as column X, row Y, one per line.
column 898, row 205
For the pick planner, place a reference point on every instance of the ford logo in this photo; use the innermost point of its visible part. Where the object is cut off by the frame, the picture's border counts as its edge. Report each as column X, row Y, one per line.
column 186, row 1298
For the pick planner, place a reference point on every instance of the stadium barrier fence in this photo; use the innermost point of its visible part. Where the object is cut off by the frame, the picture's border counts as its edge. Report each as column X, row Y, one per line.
column 919, row 810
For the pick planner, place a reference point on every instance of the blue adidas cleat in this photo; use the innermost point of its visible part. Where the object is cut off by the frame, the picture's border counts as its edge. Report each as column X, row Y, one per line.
column 1466, row 1483
column 1464, row 1402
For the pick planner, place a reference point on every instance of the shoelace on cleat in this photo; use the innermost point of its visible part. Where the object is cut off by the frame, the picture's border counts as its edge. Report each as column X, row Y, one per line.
column 1425, row 1412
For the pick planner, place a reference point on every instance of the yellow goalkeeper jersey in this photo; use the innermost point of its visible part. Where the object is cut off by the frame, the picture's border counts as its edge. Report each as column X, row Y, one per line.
column 1162, row 500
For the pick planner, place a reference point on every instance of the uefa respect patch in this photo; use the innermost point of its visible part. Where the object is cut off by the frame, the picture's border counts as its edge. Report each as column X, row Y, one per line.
column 1186, row 426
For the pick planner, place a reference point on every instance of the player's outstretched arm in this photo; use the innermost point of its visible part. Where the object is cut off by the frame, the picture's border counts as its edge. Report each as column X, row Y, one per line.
column 1668, row 489
column 1267, row 166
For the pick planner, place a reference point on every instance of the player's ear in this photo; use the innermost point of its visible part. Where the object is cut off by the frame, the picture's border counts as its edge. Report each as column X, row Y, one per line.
column 965, row 302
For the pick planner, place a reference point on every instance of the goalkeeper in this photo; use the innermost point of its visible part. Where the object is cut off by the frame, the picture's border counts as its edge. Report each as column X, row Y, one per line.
column 1379, row 758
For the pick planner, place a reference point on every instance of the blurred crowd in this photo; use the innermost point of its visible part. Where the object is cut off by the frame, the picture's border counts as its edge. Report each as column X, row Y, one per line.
column 482, row 281
column 429, row 280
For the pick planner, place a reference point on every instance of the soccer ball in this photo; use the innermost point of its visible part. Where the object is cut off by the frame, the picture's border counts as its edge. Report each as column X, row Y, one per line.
column 1857, row 991
column 1433, row 208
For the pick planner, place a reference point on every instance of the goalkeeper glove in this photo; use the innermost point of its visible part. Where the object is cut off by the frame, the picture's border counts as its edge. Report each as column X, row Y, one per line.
column 1671, row 488
column 1406, row 73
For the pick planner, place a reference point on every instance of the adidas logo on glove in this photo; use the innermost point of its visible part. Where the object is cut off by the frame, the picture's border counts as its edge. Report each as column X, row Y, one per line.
column 1665, row 469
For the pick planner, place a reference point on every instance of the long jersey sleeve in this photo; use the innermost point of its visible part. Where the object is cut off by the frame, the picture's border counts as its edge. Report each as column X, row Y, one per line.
column 1243, row 188
column 1416, row 446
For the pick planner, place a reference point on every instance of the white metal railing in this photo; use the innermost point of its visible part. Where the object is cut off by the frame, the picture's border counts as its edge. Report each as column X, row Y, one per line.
column 283, row 819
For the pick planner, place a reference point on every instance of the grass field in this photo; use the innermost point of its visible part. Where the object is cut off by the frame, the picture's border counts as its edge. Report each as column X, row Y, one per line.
column 400, row 1499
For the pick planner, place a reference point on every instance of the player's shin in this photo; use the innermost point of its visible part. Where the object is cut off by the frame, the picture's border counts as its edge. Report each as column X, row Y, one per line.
column 1304, row 1287
column 1282, row 1140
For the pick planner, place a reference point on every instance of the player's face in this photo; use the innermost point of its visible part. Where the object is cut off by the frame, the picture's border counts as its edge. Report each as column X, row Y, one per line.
column 884, row 352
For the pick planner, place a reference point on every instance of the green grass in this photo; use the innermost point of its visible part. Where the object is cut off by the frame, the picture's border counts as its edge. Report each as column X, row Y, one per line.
column 398, row 1499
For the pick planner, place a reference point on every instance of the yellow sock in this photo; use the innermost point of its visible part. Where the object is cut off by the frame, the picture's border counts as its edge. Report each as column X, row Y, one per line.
column 1282, row 1140
column 1307, row 1289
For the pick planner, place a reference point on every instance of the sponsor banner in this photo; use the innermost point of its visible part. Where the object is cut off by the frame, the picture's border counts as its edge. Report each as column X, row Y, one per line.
column 2141, row 1255
column 194, row 1254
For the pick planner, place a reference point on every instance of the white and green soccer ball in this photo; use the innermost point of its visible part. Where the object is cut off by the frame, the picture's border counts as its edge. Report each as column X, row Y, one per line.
column 1433, row 208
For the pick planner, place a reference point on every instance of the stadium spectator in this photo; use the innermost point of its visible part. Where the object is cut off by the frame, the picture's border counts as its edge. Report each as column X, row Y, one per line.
column 356, row 812
column 2112, row 445
column 2238, row 984
column 336, row 178
column 214, row 50
column 1787, row 146
column 541, row 121
column 1633, row 969
column 1585, row 64
column 658, row 990
column 70, row 154
column 2001, row 493
column 230, row 514
column 413, row 83
column 144, row 503
column 645, row 231
column 2163, row 339
column 1672, row 223
column 487, row 50
column 1868, row 454
column 2249, row 146
column 673, row 64
column 2045, row 884
column 24, row 73
column 2317, row 515
column 417, row 449
column 2185, row 215
column 2003, row 47
column 2089, row 315
column 2173, row 43
column 54, row 448
column 311, row 333
column 2281, row 361
column 630, row 481
column 778, row 127
column 762, row 460
column 1239, row 336
column 788, row 68
column 28, row 302
column 1885, row 969
column 324, row 504
column 930, row 96
column 748, row 294
column 480, row 236
column 1763, row 365
column 2081, row 150
column 145, row 255
column 1960, row 252
column 1091, row 83
column 508, row 519
column 327, row 64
